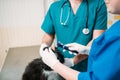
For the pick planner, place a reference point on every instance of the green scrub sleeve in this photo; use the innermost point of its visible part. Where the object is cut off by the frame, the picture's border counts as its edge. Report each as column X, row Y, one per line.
column 47, row 25
column 101, row 16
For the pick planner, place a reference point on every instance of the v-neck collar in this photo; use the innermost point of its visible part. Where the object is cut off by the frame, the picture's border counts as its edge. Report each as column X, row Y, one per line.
column 75, row 14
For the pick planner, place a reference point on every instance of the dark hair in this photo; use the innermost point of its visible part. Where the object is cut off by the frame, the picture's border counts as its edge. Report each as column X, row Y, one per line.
column 37, row 70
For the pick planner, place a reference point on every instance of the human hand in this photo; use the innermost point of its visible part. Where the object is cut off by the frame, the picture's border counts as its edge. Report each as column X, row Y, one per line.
column 78, row 47
column 49, row 57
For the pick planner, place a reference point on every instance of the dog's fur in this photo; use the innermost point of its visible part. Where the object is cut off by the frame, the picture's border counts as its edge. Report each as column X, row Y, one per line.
column 37, row 70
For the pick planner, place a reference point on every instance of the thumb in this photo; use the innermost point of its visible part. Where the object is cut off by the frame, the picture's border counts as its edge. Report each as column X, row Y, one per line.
column 44, row 53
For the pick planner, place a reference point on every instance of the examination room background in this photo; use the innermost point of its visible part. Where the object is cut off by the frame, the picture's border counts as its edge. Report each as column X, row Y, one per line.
column 20, row 22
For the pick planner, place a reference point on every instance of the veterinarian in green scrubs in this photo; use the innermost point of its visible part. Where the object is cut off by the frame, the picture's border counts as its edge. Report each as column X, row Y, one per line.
column 74, row 21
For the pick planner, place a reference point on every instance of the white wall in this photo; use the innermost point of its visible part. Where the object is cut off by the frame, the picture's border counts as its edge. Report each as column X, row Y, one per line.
column 22, row 19
column 3, row 46
column 47, row 4
column 21, row 13
column 20, row 22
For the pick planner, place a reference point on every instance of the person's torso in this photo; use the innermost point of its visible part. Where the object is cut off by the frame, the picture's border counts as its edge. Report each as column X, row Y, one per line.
column 103, row 61
column 73, row 30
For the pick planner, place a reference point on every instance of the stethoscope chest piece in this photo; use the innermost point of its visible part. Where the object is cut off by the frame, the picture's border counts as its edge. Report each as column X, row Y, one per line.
column 86, row 31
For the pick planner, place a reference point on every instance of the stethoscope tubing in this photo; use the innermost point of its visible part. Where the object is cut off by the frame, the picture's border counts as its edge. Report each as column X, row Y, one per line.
column 86, row 29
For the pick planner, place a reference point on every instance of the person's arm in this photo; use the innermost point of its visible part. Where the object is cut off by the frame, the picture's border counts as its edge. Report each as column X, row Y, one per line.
column 48, row 29
column 96, row 33
column 51, row 60
column 47, row 39
column 66, row 72
column 81, row 56
column 100, row 24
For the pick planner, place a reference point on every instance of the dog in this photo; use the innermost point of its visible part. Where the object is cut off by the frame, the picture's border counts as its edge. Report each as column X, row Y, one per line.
column 38, row 70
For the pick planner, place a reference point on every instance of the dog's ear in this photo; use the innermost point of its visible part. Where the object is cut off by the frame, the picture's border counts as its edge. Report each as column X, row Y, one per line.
column 60, row 57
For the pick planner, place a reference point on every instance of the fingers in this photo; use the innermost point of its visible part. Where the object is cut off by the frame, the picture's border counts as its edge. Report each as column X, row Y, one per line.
column 72, row 48
column 44, row 53
column 51, row 51
column 43, row 45
column 42, row 48
column 73, row 53
column 45, row 48
column 69, row 45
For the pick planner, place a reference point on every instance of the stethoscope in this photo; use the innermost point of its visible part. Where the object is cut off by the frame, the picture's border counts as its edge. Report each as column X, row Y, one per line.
column 85, row 30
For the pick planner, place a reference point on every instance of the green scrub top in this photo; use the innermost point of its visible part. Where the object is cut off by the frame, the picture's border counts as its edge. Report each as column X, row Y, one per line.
column 72, row 31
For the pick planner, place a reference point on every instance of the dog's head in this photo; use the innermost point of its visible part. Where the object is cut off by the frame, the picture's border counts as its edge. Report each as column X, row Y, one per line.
column 37, row 70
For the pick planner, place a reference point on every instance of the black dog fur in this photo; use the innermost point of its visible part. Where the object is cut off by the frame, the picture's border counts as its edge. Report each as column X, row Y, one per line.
column 37, row 70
